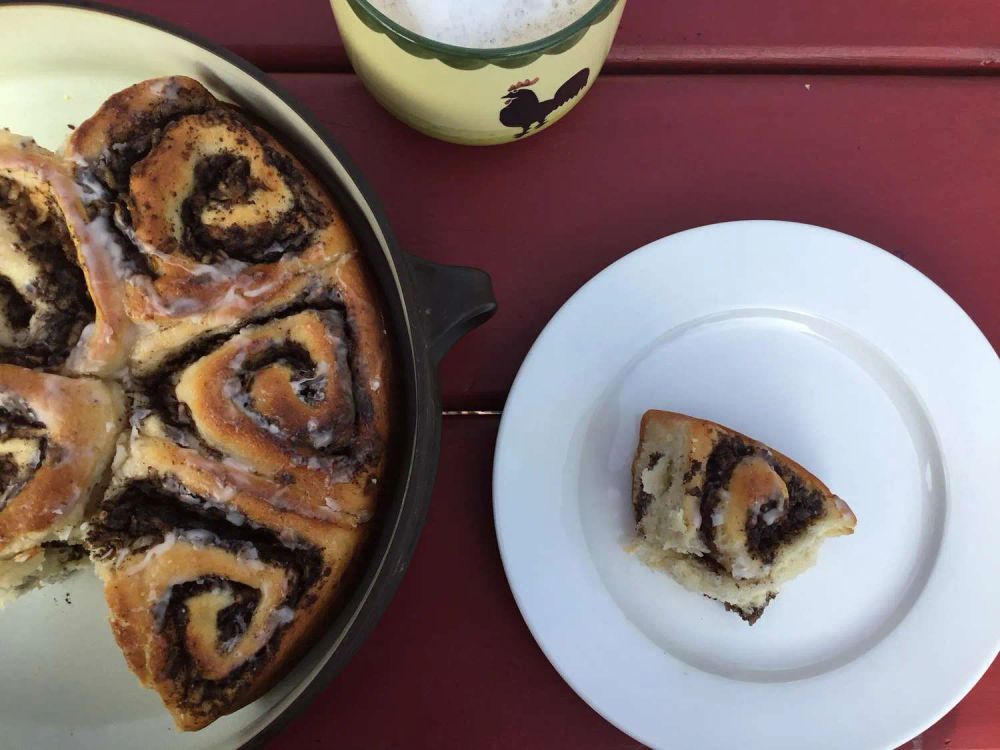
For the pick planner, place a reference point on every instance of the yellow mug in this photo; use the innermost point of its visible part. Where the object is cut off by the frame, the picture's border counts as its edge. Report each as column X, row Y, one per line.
column 476, row 96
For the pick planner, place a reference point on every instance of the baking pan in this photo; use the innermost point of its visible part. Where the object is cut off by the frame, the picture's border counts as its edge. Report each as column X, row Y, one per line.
column 63, row 682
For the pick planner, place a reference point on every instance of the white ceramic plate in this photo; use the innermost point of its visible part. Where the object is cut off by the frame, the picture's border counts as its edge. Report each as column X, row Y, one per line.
column 63, row 681
column 835, row 353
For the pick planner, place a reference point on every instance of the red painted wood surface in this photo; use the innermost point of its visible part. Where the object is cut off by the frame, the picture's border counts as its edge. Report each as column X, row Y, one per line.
column 657, row 34
column 452, row 664
column 910, row 163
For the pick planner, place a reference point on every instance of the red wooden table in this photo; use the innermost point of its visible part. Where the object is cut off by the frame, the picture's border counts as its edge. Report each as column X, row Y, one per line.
column 880, row 118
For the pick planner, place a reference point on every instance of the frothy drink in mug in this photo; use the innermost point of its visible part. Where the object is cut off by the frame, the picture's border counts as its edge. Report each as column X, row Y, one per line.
column 484, row 23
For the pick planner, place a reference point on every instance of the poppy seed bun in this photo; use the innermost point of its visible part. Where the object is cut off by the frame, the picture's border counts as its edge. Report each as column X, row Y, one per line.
column 725, row 515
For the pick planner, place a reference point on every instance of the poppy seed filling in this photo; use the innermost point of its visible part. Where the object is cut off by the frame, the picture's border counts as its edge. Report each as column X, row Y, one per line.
column 220, row 180
column 763, row 540
column 49, row 316
column 17, row 420
column 157, row 393
column 143, row 513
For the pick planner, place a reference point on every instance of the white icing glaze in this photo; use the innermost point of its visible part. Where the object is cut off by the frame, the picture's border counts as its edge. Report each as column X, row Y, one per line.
column 299, row 385
column 235, row 463
column 100, row 236
column 199, row 537
column 238, row 359
column 121, row 557
column 169, row 540
column 771, row 516
column 254, row 292
column 282, row 616
column 321, row 438
column 165, row 88
column 91, row 188
column 176, row 308
column 233, row 300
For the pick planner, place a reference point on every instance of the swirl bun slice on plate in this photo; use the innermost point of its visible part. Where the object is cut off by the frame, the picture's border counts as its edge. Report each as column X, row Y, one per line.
column 213, row 592
column 724, row 514
column 215, row 217
column 60, row 300
column 57, row 438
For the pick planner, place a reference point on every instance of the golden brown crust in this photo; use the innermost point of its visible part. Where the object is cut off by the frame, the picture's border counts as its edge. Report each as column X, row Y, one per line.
column 203, row 570
column 57, row 437
column 301, row 397
column 706, row 435
column 138, row 108
column 223, row 215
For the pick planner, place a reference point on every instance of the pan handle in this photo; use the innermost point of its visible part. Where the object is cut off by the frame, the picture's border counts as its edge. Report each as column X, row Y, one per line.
column 453, row 301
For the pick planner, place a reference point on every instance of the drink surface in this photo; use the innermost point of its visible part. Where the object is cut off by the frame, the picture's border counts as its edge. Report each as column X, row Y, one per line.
column 484, row 23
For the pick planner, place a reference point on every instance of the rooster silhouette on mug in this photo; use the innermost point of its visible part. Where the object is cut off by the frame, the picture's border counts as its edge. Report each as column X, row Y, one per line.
column 523, row 109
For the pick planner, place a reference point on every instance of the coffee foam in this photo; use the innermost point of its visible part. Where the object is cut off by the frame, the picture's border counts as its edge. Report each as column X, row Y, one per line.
column 484, row 23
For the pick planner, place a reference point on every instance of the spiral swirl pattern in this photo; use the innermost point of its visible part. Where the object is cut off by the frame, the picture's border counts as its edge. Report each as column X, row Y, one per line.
column 751, row 504
column 724, row 514
column 216, row 214
column 299, row 398
column 211, row 589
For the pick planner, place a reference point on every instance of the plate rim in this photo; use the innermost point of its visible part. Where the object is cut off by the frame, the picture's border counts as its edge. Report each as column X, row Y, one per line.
column 520, row 383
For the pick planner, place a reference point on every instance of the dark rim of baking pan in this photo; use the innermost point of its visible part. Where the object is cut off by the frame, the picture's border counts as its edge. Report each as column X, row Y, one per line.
column 430, row 307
